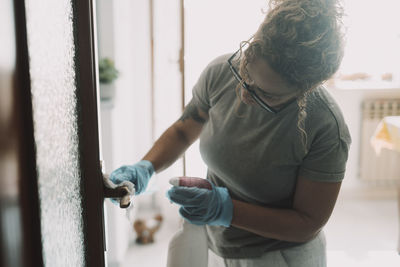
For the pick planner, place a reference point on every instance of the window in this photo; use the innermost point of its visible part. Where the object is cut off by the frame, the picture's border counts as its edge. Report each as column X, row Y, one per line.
column 372, row 53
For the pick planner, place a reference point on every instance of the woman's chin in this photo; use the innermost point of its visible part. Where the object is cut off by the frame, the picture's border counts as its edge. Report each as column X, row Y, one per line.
column 248, row 101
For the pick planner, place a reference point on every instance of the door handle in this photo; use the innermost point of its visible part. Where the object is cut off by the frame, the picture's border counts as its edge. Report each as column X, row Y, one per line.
column 120, row 192
column 110, row 190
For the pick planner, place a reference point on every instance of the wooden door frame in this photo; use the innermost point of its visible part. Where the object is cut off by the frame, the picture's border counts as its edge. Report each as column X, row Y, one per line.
column 27, row 200
column 182, row 65
column 86, row 82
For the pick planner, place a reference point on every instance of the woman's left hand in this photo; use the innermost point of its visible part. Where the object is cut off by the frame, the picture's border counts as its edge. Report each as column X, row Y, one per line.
column 203, row 206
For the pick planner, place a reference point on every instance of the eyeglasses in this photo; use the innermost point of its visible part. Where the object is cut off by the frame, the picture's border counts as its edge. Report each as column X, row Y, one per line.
column 246, row 86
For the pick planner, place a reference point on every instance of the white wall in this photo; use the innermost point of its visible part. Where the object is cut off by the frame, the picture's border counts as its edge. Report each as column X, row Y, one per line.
column 167, row 93
column 124, row 35
column 350, row 102
column 125, row 123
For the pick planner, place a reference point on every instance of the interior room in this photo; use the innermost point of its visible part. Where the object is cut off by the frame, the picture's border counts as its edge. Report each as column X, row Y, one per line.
column 89, row 86
column 160, row 48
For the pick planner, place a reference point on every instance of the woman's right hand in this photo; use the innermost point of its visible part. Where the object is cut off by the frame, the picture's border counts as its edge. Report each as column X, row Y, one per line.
column 138, row 174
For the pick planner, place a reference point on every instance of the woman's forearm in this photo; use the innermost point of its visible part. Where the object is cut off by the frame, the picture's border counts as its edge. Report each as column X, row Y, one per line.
column 177, row 138
column 168, row 148
column 282, row 224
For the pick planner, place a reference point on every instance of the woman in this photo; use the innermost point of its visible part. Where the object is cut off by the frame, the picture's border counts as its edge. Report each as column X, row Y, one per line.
column 274, row 141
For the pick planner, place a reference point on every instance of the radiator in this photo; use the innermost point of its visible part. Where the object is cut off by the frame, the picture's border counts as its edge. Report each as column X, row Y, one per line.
column 382, row 169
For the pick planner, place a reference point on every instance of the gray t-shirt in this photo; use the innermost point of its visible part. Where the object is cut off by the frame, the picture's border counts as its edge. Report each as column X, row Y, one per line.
column 258, row 155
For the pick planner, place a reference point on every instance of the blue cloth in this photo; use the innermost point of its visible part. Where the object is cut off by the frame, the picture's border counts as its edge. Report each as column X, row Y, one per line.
column 139, row 174
column 203, row 206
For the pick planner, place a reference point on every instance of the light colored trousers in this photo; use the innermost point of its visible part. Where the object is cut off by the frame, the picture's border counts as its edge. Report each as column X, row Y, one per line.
column 310, row 254
column 189, row 248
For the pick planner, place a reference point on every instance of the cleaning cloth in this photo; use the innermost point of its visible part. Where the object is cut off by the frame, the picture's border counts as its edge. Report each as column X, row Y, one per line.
column 129, row 187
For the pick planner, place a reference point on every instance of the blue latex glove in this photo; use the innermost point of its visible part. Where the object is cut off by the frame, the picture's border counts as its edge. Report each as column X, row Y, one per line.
column 203, row 206
column 139, row 174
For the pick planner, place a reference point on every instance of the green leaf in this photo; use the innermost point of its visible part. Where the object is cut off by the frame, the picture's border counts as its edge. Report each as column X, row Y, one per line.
column 107, row 71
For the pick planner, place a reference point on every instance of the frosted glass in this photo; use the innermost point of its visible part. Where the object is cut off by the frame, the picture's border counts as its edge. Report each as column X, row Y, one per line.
column 52, row 69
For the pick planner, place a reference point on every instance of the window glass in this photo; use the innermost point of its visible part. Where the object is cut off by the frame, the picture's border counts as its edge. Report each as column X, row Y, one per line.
column 52, row 69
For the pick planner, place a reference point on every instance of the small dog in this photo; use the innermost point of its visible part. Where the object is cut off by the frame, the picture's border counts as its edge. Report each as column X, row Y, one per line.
column 145, row 229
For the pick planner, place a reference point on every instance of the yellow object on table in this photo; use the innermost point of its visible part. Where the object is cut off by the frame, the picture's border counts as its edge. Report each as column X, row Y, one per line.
column 387, row 134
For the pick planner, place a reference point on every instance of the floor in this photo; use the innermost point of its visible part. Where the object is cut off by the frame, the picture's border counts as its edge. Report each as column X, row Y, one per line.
column 362, row 232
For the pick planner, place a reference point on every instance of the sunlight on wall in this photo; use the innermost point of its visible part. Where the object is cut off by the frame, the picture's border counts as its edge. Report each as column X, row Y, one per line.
column 214, row 28
column 372, row 53
column 373, row 37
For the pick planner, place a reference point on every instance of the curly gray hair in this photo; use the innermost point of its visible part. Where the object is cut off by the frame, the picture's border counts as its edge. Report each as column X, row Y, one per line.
column 302, row 40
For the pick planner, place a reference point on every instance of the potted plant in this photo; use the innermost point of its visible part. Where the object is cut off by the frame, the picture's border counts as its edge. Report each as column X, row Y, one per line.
column 107, row 75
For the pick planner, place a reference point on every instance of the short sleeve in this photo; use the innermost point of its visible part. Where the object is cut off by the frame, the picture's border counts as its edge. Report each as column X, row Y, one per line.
column 328, row 154
column 207, row 84
column 201, row 90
